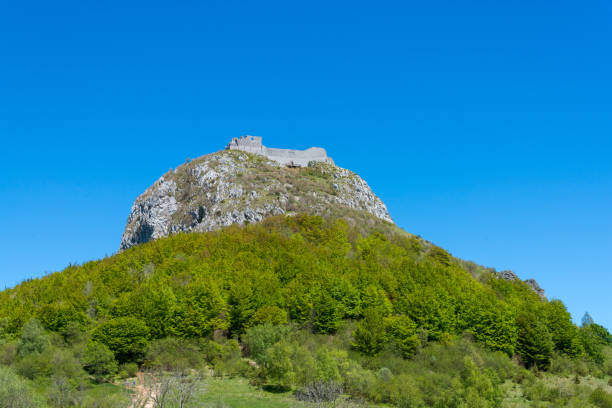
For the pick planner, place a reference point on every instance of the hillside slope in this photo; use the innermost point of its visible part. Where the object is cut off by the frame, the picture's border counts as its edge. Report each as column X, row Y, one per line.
column 303, row 302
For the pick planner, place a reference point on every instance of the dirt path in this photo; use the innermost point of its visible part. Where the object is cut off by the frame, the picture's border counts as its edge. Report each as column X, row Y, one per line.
column 144, row 396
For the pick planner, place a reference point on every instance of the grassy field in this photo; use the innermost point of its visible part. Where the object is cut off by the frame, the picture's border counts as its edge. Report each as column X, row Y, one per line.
column 551, row 387
column 237, row 393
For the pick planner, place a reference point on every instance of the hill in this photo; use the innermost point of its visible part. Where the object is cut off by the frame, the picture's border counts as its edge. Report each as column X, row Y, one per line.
column 238, row 187
column 296, row 301
column 256, row 270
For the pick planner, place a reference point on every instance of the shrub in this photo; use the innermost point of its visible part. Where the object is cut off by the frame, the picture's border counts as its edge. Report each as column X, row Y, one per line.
column 173, row 354
column 33, row 339
column 225, row 357
column 319, row 391
column 601, row 398
column 99, row 361
column 258, row 339
column 8, row 353
column 130, row 369
column 34, row 366
column 15, row 392
column 278, row 367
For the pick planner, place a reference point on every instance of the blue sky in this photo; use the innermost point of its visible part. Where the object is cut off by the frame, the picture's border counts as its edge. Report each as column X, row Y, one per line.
column 485, row 126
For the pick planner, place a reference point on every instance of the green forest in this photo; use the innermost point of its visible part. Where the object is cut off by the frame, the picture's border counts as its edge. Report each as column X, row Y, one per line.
column 303, row 310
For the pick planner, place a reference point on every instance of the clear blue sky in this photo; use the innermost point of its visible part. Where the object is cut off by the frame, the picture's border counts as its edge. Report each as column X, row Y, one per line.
column 486, row 126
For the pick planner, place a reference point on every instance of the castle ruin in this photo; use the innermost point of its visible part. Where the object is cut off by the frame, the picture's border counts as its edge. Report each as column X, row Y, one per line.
column 287, row 157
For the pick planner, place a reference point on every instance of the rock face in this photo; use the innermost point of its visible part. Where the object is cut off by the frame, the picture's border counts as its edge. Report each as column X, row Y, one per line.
column 238, row 187
column 536, row 288
column 511, row 276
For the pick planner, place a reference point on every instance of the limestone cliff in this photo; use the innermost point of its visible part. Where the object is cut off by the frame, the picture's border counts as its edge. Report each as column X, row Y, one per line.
column 237, row 187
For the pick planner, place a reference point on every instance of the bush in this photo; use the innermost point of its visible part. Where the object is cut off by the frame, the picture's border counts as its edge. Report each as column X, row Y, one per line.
column 33, row 339
column 601, row 398
column 8, row 353
column 225, row 357
column 129, row 369
column 258, row 339
column 173, row 354
column 99, row 361
column 319, row 391
column 278, row 367
column 106, row 401
column 34, row 366
column 15, row 392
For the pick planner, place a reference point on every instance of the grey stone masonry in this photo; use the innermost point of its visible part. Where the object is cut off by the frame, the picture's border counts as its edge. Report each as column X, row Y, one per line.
column 287, row 157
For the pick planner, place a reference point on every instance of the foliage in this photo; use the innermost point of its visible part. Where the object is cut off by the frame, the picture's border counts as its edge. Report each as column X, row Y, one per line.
column 127, row 337
column 294, row 303
column 99, row 361
column 33, row 339
column 173, row 354
column 403, row 332
column 257, row 340
column 535, row 345
column 15, row 392
column 370, row 335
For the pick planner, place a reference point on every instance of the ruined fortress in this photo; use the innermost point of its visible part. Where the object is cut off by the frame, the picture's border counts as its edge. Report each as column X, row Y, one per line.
column 291, row 158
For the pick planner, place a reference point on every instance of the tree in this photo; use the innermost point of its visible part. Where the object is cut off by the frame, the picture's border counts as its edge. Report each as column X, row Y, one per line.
column 593, row 338
column 403, row 331
column 563, row 332
column 586, row 319
column 99, row 361
column 201, row 310
column 535, row 344
column 33, row 338
column 268, row 314
column 370, row 336
column 158, row 305
column 375, row 299
column 326, row 314
column 601, row 333
column 57, row 316
column 126, row 337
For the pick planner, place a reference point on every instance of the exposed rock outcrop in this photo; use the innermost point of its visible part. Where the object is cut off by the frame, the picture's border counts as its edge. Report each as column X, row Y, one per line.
column 536, row 287
column 511, row 276
column 237, row 187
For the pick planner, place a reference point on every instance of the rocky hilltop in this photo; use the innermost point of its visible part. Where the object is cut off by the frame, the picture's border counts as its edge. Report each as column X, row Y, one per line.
column 239, row 187
column 248, row 182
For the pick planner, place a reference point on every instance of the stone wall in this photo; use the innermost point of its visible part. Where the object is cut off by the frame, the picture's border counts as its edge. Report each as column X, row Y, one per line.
column 288, row 157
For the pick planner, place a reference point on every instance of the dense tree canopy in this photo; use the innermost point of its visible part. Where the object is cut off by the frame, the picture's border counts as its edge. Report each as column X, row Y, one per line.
column 295, row 303
column 309, row 271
